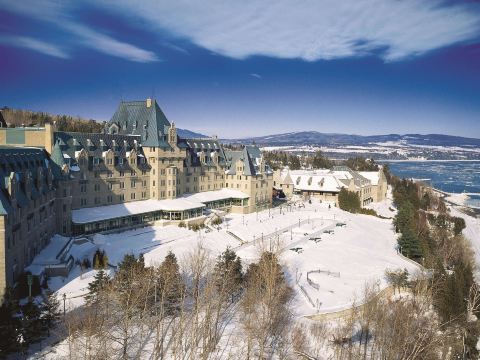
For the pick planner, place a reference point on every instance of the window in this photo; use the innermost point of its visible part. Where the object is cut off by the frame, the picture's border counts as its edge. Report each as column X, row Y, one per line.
column 97, row 187
column 109, row 174
column 109, row 161
column 133, row 173
column 83, row 201
column 109, row 198
column 122, row 174
column 110, row 186
column 132, row 183
column 122, row 197
column 132, row 196
column 153, row 184
column 122, row 185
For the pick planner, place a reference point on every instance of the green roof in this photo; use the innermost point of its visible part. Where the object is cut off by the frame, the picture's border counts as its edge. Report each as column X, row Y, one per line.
column 135, row 118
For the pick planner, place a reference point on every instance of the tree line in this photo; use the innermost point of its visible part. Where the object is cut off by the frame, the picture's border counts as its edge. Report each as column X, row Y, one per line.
column 17, row 118
column 430, row 235
column 279, row 159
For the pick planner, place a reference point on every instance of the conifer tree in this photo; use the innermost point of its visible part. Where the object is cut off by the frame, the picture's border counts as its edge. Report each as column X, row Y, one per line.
column 9, row 324
column 30, row 323
column 170, row 284
column 228, row 272
column 101, row 279
column 50, row 311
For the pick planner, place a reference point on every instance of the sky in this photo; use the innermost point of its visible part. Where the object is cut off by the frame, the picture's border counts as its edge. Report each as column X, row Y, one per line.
column 250, row 68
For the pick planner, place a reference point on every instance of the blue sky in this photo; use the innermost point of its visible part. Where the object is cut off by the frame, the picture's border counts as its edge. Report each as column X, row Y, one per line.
column 245, row 68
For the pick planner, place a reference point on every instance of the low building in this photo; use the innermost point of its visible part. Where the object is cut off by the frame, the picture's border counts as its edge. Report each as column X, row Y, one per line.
column 325, row 184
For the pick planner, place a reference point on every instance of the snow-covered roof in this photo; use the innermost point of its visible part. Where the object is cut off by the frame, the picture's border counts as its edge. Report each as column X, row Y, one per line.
column 186, row 202
column 87, row 215
column 373, row 176
column 307, row 182
column 215, row 195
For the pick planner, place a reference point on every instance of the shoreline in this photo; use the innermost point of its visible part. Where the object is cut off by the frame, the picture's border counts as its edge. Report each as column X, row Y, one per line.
column 427, row 160
column 464, row 208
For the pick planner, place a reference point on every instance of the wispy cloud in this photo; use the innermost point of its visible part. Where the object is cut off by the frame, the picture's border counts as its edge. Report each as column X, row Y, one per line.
column 256, row 75
column 312, row 29
column 58, row 13
column 108, row 45
column 34, row 44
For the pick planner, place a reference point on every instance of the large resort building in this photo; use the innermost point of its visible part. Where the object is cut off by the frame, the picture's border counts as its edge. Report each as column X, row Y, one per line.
column 137, row 172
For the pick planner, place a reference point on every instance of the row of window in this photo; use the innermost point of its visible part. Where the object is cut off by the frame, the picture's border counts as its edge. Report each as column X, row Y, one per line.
column 99, row 200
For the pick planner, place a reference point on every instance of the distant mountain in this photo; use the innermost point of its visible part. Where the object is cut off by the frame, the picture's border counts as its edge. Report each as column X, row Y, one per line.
column 325, row 139
column 187, row 134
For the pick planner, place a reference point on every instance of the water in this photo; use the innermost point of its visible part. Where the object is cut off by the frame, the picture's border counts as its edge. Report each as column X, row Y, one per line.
column 448, row 176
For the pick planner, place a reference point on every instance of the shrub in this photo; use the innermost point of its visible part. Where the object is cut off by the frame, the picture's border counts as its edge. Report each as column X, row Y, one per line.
column 349, row 201
column 195, row 227
column 182, row 224
column 370, row 212
column 217, row 221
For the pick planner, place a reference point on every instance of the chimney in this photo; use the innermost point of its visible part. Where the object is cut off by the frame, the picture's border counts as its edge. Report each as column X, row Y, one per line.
column 149, row 102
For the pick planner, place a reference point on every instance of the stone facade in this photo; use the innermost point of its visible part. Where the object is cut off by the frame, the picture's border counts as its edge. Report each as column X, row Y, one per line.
column 50, row 175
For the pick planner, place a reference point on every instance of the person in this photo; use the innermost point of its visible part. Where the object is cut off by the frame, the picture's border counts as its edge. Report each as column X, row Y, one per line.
column 329, row 206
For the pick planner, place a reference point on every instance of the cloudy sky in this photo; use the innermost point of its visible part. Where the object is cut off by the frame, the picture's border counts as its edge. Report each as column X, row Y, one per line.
column 243, row 68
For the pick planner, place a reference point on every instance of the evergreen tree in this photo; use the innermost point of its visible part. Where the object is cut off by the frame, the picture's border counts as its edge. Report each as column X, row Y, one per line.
column 349, row 201
column 31, row 326
column 50, row 311
column 228, row 272
column 294, row 162
column 9, row 324
column 170, row 286
column 320, row 161
column 95, row 287
column 410, row 244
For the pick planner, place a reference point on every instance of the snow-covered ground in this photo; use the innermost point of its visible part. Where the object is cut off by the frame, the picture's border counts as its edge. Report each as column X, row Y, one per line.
column 384, row 208
column 472, row 233
column 349, row 257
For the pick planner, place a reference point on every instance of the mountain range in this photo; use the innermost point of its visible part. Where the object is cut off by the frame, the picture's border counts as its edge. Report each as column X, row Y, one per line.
column 315, row 138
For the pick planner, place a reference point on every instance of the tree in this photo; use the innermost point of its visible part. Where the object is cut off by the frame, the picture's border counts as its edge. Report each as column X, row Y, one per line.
column 320, row 161
column 170, row 284
column 294, row 162
column 95, row 287
column 9, row 324
column 349, row 201
column 397, row 278
column 410, row 245
column 100, row 260
column 266, row 315
column 31, row 324
column 458, row 225
column 228, row 273
column 49, row 311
